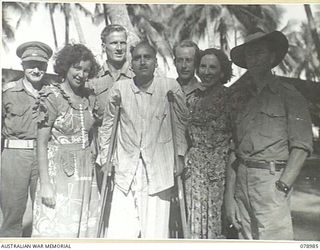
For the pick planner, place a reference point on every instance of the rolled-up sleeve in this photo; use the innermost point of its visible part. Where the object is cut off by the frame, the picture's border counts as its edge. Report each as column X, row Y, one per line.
column 113, row 99
column 299, row 121
column 182, row 118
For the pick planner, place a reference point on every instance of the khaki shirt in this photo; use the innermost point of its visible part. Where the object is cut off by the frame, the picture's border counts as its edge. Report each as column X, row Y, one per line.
column 17, row 112
column 144, row 130
column 105, row 81
column 267, row 125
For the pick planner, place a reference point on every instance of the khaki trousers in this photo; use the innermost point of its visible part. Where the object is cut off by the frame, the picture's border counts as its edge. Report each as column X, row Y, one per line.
column 19, row 175
column 265, row 212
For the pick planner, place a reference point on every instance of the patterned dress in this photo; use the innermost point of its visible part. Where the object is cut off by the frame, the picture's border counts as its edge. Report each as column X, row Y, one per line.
column 206, row 162
column 71, row 167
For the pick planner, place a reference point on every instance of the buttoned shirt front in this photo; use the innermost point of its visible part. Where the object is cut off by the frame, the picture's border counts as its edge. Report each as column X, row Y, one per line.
column 17, row 112
column 144, row 131
column 269, row 123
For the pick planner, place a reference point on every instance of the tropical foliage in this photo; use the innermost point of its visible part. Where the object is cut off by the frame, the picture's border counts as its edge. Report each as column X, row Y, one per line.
column 163, row 25
column 217, row 22
column 22, row 10
column 69, row 11
column 302, row 59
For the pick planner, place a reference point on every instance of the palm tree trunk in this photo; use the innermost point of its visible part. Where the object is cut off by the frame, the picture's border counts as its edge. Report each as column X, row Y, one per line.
column 224, row 46
column 313, row 29
column 210, row 27
column 118, row 14
column 105, row 12
column 53, row 28
column 66, row 21
column 157, row 40
column 77, row 23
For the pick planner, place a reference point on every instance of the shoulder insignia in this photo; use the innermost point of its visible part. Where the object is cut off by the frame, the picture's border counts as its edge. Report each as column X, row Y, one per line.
column 8, row 85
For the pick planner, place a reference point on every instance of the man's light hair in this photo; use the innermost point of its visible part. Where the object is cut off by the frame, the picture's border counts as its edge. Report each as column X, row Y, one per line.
column 110, row 29
column 188, row 44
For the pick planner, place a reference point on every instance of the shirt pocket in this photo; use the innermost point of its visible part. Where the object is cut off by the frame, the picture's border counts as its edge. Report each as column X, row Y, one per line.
column 164, row 128
column 17, row 110
column 273, row 120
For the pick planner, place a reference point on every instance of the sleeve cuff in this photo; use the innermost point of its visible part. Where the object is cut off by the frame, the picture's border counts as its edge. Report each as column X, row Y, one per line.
column 302, row 145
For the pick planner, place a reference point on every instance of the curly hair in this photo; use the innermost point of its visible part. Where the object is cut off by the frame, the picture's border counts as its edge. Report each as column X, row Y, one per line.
column 72, row 54
column 225, row 63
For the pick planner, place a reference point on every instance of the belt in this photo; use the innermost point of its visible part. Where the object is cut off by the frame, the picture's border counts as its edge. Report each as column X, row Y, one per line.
column 19, row 144
column 271, row 165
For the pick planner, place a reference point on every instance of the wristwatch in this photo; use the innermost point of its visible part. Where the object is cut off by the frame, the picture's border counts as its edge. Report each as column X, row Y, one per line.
column 281, row 186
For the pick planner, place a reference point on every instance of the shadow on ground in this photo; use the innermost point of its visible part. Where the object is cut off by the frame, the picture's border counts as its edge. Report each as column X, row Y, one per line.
column 305, row 202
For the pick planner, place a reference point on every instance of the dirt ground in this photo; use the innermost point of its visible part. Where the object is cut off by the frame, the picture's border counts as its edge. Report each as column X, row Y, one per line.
column 305, row 204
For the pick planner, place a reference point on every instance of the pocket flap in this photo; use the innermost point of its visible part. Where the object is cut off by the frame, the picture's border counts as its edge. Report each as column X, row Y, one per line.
column 274, row 109
column 18, row 110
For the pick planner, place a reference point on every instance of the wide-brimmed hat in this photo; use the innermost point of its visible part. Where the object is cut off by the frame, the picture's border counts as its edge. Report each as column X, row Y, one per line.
column 34, row 51
column 277, row 39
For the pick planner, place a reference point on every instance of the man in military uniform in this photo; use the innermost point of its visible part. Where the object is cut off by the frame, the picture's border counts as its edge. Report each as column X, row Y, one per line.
column 272, row 138
column 19, row 170
column 116, row 67
column 186, row 60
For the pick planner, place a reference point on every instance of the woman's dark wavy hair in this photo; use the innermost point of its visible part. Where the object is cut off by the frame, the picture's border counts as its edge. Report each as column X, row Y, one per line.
column 72, row 54
column 225, row 63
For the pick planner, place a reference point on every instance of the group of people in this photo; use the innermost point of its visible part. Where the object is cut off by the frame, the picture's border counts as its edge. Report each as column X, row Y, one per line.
column 238, row 149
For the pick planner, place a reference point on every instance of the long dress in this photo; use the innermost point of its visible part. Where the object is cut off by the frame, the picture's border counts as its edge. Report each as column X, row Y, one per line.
column 70, row 168
column 206, row 162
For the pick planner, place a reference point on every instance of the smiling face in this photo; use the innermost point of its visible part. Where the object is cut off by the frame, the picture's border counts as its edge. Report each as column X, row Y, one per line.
column 78, row 74
column 210, row 70
column 143, row 62
column 185, row 62
column 116, row 47
column 34, row 71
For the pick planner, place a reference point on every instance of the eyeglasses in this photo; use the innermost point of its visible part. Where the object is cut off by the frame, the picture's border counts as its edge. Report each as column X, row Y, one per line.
column 35, row 64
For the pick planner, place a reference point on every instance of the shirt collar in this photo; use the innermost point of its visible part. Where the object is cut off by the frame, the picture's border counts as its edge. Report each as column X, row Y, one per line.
column 150, row 90
column 272, row 84
column 125, row 70
column 193, row 85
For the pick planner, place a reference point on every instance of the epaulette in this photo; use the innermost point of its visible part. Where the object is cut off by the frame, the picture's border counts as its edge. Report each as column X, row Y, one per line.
column 8, row 85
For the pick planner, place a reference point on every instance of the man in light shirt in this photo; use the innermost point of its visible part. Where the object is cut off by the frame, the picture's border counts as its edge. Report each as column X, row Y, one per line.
column 144, row 158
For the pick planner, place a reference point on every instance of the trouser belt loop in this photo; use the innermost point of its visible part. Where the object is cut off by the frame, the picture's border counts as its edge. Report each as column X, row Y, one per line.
column 272, row 167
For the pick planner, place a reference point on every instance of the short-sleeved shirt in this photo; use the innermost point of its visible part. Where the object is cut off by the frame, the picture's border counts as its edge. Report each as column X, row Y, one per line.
column 268, row 124
column 17, row 112
column 105, row 81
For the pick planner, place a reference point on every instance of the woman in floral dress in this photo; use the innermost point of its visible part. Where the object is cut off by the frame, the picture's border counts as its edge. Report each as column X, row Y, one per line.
column 209, row 133
column 67, row 197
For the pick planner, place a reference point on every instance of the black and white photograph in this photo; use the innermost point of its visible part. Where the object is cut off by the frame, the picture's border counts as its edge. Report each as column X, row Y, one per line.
column 160, row 121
